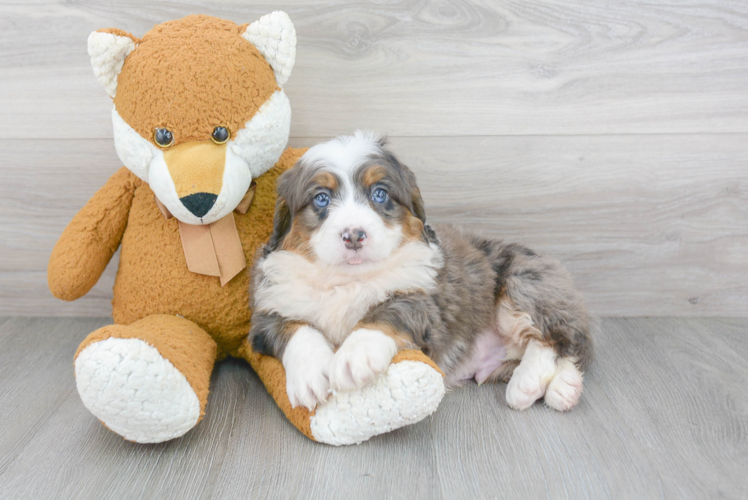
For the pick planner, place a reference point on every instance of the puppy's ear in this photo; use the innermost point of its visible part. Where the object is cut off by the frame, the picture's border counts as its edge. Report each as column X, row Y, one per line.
column 411, row 186
column 283, row 208
column 417, row 205
column 281, row 226
column 420, row 212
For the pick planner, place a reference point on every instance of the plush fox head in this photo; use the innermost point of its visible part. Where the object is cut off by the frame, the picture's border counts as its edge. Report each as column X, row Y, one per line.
column 198, row 106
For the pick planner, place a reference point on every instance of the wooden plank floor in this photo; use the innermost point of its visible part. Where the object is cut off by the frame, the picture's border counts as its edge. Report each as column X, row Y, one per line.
column 664, row 415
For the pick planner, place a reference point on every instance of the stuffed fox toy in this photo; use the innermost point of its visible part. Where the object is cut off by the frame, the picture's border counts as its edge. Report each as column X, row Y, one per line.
column 201, row 124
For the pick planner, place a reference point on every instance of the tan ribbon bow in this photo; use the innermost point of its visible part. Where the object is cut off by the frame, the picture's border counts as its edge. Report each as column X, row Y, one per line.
column 214, row 249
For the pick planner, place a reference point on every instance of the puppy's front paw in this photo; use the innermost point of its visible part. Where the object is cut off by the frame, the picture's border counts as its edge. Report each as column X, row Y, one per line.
column 364, row 355
column 307, row 362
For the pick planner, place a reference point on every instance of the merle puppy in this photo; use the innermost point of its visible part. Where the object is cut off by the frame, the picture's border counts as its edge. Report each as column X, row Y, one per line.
column 352, row 273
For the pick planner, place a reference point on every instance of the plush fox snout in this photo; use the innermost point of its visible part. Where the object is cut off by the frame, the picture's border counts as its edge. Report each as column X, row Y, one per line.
column 197, row 170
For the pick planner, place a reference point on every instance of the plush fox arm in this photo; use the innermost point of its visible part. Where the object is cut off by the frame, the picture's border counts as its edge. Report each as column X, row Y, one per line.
column 91, row 238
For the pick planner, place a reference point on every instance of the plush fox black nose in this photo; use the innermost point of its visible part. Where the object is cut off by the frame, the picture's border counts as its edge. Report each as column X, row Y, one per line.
column 354, row 238
column 199, row 203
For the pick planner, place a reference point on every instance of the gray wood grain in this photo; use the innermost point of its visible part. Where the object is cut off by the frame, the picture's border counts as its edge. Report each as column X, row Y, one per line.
column 611, row 135
column 643, row 226
column 664, row 415
column 463, row 67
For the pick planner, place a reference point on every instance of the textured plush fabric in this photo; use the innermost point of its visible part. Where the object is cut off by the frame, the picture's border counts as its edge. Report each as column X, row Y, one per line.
column 153, row 277
column 162, row 86
column 271, row 372
column 108, row 50
column 275, row 37
column 182, row 342
column 88, row 243
column 406, row 393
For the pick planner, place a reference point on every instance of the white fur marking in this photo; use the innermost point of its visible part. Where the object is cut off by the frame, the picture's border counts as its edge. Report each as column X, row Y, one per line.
column 306, row 361
column 564, row 390
column 344, row 153
column 136, row 392
column 380, row 242
column 335, row 301
column 532, row 376
column 364, row 355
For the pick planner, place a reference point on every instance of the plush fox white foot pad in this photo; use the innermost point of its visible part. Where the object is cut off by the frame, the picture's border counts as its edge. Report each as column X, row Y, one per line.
column 134, row 391
column 406, row 393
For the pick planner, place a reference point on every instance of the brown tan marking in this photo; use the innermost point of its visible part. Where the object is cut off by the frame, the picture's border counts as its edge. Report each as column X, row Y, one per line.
column 517, row 328
column 412, row 226
column 326, row 180
column 402, row 339
column 373, row 174
column 289, row 328
column 297, row 239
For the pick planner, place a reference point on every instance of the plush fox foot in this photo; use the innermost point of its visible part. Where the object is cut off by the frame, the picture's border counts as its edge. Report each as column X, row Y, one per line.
column 407, row 392
column 148, row 381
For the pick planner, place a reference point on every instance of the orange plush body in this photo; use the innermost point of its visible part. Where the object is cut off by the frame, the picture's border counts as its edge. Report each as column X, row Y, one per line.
column 181, row 292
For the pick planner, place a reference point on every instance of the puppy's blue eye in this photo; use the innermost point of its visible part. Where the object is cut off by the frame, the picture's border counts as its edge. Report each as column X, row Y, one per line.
column 379, row 195
column 321, row 200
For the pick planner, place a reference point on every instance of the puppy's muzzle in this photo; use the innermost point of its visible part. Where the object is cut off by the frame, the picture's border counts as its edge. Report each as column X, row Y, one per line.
column 353, row 238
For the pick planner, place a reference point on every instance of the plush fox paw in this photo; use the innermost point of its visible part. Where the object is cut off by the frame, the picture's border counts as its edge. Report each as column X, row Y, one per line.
column 135, row 391
column 408, row 391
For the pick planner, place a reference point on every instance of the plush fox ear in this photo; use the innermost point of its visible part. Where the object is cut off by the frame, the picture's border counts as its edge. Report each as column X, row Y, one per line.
column 275, row 38
column 108, row 50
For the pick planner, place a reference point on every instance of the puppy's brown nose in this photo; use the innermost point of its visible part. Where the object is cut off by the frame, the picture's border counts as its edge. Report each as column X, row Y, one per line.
column 354, row 238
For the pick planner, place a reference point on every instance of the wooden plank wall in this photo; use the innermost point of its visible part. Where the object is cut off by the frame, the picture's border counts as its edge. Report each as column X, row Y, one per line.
column 613, row 135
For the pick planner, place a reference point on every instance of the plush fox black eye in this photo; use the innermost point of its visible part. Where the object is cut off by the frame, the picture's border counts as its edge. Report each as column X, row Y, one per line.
column 163, row 137
column 220, row 135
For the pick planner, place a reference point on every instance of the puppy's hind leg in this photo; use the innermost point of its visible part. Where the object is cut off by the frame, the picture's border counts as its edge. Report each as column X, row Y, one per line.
column 540, row 372
column 545, row 325
column 537, row 362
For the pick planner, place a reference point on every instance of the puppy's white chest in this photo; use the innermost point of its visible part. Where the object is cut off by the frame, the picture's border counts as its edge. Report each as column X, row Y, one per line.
column 333, row 302
column 340, row 308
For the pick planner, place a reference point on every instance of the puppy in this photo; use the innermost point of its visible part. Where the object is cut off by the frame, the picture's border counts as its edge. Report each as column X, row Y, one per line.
column 352, row 273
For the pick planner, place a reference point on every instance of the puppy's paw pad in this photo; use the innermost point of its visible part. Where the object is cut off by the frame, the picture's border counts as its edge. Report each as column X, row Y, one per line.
column 364, row 355
column 523, row 390
column 564, row 390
